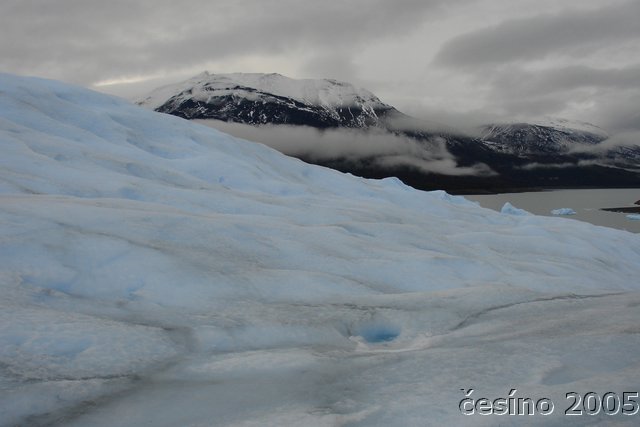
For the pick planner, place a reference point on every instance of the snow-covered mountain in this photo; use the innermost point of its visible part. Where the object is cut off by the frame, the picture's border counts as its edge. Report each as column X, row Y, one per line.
column 551, row 136
column 270, row 99
column 559, row 141
column 158, row 272
column 506, row 157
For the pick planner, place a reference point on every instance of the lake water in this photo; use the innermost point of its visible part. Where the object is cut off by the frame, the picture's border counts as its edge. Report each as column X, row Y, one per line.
column 586, row 203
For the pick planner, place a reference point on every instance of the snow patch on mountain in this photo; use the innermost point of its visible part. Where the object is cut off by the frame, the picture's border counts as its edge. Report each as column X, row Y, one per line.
column 569, row 126
column 333, row 97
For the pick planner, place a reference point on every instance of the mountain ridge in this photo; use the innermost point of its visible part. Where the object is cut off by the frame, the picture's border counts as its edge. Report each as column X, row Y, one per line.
column 546, row 153
column 256, row 98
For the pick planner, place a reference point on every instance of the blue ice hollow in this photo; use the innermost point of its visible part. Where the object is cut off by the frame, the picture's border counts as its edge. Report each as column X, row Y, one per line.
column 379, row 333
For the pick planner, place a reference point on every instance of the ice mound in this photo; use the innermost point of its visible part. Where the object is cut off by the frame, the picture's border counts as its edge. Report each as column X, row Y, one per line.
column 509, row 209
column 563, row 211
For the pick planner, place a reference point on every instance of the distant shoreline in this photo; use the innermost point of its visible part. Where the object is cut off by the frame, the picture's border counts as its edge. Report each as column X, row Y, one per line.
column 492, row 191
column 629, row 209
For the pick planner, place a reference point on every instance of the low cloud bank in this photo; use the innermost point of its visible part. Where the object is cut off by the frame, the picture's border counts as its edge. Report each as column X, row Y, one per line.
column 377, row 146
column 629, row 139
column 565, row 165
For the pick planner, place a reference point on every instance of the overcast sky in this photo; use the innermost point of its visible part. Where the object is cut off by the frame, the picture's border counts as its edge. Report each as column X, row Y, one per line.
column 462, row 60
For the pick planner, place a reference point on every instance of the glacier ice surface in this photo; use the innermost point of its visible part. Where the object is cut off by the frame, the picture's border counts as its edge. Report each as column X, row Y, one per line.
column 154, row 271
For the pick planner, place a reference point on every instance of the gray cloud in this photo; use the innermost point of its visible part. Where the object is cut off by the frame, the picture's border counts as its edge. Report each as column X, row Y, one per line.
column 381, row 147
column 527, row 83
column 619, row 110
column 336, row 64
column 88, row 41
column 576, row 63
column 607, row 96
column 581, row 163
column 569, row 33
